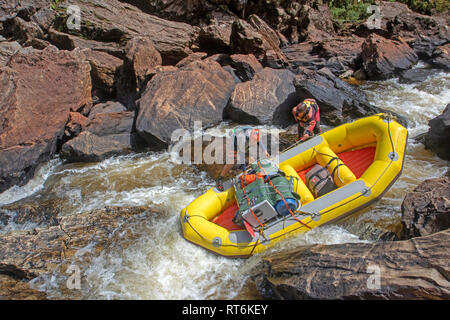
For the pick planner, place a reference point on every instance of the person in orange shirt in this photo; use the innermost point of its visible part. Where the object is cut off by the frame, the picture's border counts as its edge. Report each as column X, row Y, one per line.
column 307, row 116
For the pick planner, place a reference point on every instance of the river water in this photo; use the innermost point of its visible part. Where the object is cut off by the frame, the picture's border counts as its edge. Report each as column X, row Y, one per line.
column 157, row 263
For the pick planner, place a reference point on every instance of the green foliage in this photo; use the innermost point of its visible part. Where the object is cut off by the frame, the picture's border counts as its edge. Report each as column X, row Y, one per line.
column 356, row 10
column 55, row 4
column 427, row 6
column 349, row 10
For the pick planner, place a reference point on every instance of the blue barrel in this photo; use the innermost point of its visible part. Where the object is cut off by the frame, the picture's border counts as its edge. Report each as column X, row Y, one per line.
column 281, row 208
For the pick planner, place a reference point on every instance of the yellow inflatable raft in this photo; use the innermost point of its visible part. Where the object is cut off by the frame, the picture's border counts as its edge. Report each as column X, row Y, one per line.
column 370, row 154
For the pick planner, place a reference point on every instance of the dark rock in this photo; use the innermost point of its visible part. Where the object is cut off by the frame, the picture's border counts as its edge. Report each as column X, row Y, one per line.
column 413, row 269
column 32, row 210
column 13, row 289
column 25, row 32
column 88, row 147
column 246, row 66
column 115, row 21
column 77, row 122
column 69, row 42
column 104, row 72
column 103, row 124
column 29, row 253
column 339, row 54
column 267, row 99
column 39, row 90
column 44, row 18
column 257, row 38
column 174, row 100
column 339, row 101
column 426, row 210
column 384, row 59
column 315, row 24
column 441, row 57
column 438, row 137
column 7, row 50
column 107, row 107
column 415, row 75
column 191, row 58
column 141, row 58
column 215, row 37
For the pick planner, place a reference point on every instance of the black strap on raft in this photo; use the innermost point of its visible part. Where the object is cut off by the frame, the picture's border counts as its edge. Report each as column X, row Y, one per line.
column 335, row 168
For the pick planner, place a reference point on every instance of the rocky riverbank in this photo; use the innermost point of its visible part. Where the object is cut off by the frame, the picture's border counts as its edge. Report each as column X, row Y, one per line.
column 135, row 71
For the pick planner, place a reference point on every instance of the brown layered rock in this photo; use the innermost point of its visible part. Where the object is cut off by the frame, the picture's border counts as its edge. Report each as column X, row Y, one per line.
column 39, row 88
column 257, row 38
column 267, row 99
column 441, row 57
column 103, row 124
column 197, row 56
column 114, row 21
column 426, row 210
column 88, row 147
column 104, row 71
column 174, row 100
column 424, row 33
column 13, row 289
column 437, row 138
column 246, row 66
column 77, row 122
column 315, row 23
column 141, row 58
column 384, row 58
column 339, row 54
column 215, row 37
column 69, row 42
column 28, row 253
column 7, row 50
column 107, row 107
column 413, row 269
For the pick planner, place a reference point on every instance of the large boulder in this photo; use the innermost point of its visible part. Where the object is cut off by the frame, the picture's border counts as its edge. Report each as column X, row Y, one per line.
column 441, row 57
column 413, row 269
column 267, row 99
column 437, row 138
column 104, row 72
column 7, row 50
column 339, row 101
column 141, row 57
column 175, row 99
column 88, row 147
column 257, row 38
column 39, row 89
column 339, row 54
column 426, row 210
column 385, row 58
column 115, row 21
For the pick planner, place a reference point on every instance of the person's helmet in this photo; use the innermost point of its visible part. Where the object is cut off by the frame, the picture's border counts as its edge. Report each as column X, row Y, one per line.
column 301, row 109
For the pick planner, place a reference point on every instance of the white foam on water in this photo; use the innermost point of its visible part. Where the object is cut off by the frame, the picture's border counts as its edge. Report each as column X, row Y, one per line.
column 36, row 184
column 418, row 102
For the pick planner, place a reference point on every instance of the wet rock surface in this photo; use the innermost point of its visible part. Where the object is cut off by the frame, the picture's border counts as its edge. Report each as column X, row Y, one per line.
column 383, row 58
column 426, row 209
column 437, row 137
column 413, row 269
column 32, row 119
column 174, row 100
column 266, row 99
column 29, row 253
